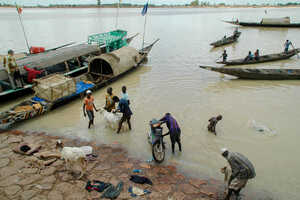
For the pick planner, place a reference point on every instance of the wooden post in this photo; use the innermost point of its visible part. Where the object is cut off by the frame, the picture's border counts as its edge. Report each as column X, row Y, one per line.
column 67, row 66
column 79, row 64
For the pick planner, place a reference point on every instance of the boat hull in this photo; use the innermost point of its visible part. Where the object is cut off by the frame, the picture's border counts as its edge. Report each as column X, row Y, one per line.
column 263, row 59
column 10, row 120
column 258, row 74
column 226, row 41
column 252, row 24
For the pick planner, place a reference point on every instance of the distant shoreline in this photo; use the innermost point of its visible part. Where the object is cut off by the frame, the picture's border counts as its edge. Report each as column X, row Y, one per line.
column 175, row 6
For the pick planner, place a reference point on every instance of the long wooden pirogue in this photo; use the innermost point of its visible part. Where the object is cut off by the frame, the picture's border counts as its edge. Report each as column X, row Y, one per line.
column 257, row 74
column 262, row 59
column 102, row 70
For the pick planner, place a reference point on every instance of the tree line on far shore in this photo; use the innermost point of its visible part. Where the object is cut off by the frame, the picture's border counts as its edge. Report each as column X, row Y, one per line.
column 195, row 3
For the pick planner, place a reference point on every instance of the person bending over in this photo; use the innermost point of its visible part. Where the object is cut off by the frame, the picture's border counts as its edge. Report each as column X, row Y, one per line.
column 174, row 130
column 213, row 122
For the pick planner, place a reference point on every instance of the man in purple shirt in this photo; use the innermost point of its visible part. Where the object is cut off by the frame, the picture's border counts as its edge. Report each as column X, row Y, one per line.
column 174, row 130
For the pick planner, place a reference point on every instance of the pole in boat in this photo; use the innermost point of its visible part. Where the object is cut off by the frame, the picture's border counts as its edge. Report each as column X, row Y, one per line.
column 295, row 50
column 117, row 17
column 144, row 13
column 19, row 11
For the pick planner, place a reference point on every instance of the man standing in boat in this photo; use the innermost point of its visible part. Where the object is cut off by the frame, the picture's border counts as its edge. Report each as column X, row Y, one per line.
column 287, row 46
column 14, row 75
column 224, row 55
column 89, row 106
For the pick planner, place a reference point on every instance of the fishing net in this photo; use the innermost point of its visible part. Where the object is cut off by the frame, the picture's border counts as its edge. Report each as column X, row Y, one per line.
column 113, row 39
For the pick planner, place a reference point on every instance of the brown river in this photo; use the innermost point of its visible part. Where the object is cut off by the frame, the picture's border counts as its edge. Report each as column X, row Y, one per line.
column 172, row 82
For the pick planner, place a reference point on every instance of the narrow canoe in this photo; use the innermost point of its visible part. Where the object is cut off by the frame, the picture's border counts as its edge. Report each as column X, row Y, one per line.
column 103, row 70
column 258, row 74
column 227, row 40
column 262, row 59
column 255, row 24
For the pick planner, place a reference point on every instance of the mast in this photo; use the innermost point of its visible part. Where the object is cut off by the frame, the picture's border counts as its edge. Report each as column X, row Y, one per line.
column 145, row 23
column 21, row 22
column 117, row 17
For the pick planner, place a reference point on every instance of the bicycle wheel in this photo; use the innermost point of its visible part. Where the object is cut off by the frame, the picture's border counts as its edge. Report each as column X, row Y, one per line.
column 158, row 152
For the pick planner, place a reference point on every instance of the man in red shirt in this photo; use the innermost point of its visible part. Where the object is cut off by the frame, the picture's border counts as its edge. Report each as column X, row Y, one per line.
column 32, row 73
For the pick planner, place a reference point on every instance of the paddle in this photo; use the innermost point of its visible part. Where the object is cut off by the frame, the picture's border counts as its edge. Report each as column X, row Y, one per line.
column 218, row 58
column 295, row 50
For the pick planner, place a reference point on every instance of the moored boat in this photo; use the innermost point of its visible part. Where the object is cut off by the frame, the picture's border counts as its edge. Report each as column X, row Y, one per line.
column 227, row 40
column 102, row 70
column 70, row 60
column 276, row 22
column 262, row 59
column 258, row 74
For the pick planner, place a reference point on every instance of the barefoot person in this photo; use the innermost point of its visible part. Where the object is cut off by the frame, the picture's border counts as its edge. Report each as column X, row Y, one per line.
column 88, row 107
column 241, row 171
column 14, row 75
column 174, row 130
column 213, row 122
column 109, row 103
column 124, row 108
column 124, row 94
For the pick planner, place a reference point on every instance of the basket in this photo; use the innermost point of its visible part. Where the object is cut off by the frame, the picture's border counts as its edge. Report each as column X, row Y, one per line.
column 54, row 87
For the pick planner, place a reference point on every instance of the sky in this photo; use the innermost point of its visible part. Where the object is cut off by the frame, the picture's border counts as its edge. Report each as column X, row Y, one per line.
column 158, row 2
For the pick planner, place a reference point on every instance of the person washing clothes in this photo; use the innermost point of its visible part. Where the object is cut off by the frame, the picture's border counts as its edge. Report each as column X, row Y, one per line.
column 109, row 103
column 124, row 94
column 123, row 108
column 174, row 130
column 213, row 122
column 241, row 171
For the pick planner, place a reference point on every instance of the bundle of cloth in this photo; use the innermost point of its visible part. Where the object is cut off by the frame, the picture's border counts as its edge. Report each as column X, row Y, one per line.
column 111, row 119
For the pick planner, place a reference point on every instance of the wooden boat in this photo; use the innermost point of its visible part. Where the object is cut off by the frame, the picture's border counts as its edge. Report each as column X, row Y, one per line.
column 262, row 59
column 258, row 74
column 255, row 24
column 227, row 40
column 102, row 70
column 69, row 60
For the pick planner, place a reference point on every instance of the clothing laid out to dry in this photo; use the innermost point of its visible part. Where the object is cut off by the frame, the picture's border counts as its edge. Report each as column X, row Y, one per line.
column 140, row 179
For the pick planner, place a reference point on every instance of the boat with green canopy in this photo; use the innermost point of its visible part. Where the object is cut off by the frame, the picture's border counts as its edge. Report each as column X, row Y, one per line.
column 71, row 60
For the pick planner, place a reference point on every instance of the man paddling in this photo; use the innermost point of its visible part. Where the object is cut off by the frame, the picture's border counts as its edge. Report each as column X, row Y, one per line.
column 242, row 170
column 287, row 46
column 88, row 107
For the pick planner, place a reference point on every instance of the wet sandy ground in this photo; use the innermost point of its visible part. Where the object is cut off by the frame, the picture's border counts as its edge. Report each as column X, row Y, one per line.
column 20, row 181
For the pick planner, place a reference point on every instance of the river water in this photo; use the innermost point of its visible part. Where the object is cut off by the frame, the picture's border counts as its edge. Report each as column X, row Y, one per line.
column 172, row 82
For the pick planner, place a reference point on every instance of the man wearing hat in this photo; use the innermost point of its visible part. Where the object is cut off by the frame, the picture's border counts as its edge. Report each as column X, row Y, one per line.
column 242, row 170
column 89, row 106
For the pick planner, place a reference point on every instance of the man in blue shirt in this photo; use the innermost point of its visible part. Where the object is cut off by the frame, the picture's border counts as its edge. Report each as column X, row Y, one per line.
column 124, row 108
column 287, row 46
column 174, row 130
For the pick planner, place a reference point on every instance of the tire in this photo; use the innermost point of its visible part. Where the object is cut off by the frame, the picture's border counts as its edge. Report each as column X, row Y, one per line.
column 158, row 152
